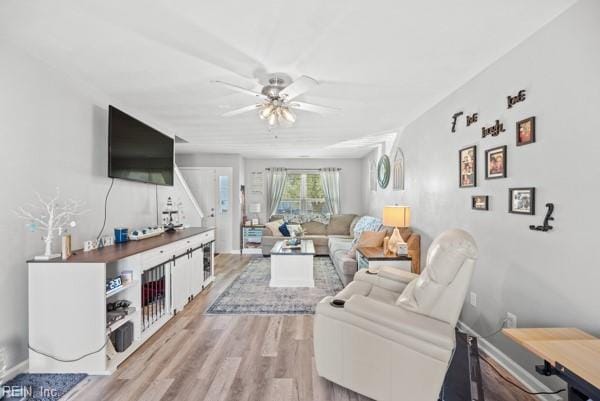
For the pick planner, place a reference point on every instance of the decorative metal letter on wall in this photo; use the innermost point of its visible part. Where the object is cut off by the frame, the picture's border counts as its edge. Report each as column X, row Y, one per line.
column 454, row 118
column 512, row 100
column 494, row 130
column 472, row 118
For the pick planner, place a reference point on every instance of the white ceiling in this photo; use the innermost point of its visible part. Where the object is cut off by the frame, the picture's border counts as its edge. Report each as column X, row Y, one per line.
column 381, row 62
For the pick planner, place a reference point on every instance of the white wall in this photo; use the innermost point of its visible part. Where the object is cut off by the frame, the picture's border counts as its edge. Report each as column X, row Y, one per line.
column 221, row 160
column 546, row 279
column 53, row 133
column 350, row 180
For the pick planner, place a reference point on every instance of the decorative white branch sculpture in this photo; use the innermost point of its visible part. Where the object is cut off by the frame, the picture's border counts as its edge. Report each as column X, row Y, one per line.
column 55, row 218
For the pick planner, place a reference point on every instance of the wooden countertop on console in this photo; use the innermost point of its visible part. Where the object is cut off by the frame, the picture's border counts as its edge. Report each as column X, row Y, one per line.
column 575, row 349
column 121, row 251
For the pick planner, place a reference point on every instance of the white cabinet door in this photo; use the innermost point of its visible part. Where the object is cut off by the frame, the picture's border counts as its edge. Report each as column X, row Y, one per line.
column 180, row 283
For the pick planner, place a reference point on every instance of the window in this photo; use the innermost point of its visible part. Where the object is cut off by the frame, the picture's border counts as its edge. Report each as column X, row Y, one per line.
column 302, row 194
column 223, row 194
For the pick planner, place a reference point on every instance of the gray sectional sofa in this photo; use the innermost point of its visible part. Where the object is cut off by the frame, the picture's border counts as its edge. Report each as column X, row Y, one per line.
column 334, row 239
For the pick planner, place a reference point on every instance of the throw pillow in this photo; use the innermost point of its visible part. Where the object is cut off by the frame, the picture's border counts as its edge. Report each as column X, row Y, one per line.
column 274, row 227
column 283, row 229
column 339, row 224
column 366, row 223
column 295, row 229
column 368, row 238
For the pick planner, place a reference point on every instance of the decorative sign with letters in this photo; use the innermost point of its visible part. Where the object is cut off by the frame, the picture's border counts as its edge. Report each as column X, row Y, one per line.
column 494, row 130
column 454, row 118
column 472, row 118
column 512, row 100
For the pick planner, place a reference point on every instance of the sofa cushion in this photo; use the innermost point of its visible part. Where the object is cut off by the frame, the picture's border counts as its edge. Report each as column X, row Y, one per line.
column 345, row 264
column 274, row 227
column 318, row 240
column 353, row 224
column 339, row 224
column 339, row 243
column 314, row 228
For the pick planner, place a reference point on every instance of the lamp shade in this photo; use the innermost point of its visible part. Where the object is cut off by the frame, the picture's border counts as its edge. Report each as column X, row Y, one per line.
column 255, row 208
column 396, row 216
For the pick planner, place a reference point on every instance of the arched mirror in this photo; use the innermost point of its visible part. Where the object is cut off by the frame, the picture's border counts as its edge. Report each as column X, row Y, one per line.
column 398, row 170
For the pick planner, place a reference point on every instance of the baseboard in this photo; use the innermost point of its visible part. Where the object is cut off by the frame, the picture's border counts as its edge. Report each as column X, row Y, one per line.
column 231, row 252
column 11, row 373
column 252, row 251
column 516, row 370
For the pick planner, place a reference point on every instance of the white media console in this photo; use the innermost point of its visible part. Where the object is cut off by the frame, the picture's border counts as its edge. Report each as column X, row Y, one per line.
column 68, row 299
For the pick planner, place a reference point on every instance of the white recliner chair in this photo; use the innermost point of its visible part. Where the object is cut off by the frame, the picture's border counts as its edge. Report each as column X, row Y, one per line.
column 393, row 339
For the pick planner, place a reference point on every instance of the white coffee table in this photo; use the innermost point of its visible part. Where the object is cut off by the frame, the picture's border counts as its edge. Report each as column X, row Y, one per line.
column 292, row 267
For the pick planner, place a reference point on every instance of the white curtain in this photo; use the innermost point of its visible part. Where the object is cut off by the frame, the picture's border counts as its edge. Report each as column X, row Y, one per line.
column 330, row 180
column 275, row 184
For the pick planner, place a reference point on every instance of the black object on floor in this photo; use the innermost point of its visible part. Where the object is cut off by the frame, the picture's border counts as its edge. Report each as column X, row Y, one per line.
column 463, row 380
column 39, row 387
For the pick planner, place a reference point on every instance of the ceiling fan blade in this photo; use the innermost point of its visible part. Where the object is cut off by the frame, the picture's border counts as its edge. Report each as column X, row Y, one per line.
column 242, row 110
column 240, row 89
column 298, row 87
column 313, row 108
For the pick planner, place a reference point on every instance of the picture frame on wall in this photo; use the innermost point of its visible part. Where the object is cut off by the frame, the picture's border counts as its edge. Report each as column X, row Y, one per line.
column 521, row 200
column 526, row 131
column 495, row 163
column 480, row 202
column 467, row 167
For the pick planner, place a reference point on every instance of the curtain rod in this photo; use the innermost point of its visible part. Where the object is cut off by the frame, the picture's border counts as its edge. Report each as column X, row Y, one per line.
column 304, row 169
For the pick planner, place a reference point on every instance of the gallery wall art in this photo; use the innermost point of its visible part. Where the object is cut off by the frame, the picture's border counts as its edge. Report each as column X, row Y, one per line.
column 467, row 160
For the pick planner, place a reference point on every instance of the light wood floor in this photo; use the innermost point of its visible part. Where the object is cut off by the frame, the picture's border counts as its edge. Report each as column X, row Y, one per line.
column 236, row 358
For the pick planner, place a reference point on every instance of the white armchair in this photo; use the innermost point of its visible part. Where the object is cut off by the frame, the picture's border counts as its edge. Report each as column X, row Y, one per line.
column 393, row 338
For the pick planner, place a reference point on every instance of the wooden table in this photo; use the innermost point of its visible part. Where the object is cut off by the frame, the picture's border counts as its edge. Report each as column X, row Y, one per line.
column 292, row 267
column 374, row 257
column 571, row 354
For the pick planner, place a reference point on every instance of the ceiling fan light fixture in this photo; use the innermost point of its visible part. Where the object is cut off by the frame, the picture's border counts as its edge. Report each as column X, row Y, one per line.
column 273, row 118
column 266, row 111
column 278, row 99
column 288, row 115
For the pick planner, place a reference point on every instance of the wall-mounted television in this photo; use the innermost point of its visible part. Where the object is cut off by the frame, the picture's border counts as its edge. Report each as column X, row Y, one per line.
column 137, row 151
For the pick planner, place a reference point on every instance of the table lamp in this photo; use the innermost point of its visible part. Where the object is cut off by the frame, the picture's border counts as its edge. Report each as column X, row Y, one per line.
column 396, row 216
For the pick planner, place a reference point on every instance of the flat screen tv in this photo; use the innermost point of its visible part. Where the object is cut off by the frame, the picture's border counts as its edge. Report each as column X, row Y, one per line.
column 137, row 151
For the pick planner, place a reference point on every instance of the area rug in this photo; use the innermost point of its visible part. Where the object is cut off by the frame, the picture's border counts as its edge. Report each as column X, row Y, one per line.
column 250, row 292
column 39, row 387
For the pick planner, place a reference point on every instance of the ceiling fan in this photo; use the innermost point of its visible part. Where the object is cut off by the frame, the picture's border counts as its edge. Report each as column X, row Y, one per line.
column 277, row 99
